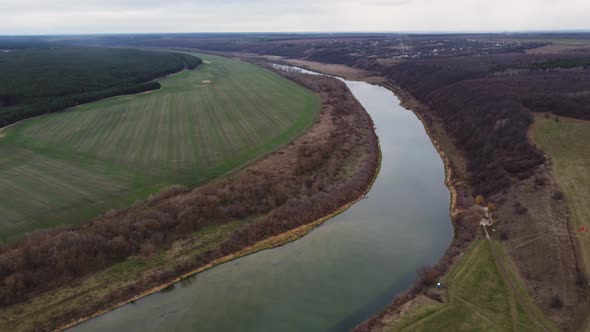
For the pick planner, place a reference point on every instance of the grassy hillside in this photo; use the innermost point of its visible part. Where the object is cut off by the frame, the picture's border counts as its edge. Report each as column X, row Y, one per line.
column 67, row 167
column 477, row 299
column 566, row 141
column 41, row 78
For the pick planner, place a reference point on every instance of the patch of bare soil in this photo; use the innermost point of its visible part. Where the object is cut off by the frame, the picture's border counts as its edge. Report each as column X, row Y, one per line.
column 455, row 163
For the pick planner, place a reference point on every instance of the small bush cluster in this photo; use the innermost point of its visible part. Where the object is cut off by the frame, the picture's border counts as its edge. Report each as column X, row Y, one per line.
column 520, row 209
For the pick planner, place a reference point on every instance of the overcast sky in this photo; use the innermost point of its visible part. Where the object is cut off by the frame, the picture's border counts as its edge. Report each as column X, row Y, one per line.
column 125, row 16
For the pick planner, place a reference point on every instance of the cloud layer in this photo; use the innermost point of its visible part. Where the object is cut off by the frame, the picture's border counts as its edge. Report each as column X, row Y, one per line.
column 126, row 16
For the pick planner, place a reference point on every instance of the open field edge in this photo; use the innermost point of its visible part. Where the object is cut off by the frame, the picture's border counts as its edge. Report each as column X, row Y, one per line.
column 154, row 189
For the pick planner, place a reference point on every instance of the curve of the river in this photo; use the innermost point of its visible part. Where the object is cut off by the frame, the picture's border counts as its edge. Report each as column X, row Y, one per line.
column 341, row 273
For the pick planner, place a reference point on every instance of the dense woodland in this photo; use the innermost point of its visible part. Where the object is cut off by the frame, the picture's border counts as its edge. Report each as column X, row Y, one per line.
column 488, row 115
column 39, row 78
column 289, row 191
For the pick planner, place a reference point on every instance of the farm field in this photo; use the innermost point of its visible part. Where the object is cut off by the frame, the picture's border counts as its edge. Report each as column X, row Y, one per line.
column 477, row 299
column 68, row 167
column 566, row 142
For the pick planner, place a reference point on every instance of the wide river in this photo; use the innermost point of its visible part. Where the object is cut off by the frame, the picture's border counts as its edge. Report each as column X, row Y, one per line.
column 341, row 273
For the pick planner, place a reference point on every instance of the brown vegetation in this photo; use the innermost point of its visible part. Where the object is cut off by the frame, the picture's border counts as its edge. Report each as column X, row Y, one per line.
column 301, row 183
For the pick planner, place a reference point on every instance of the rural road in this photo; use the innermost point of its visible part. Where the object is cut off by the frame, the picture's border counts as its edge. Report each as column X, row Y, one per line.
column 526, row 305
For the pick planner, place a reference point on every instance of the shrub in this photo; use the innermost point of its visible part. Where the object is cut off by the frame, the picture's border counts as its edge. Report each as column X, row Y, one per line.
column 148, row 250
column 479, row 200
column 503, row 236
column 519, row 208
column 491, row 207
column 556, row 302
column 426, row 277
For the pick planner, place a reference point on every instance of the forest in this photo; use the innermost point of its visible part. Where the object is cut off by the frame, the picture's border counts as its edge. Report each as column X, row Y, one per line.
column 488, row 115
column 38, row 78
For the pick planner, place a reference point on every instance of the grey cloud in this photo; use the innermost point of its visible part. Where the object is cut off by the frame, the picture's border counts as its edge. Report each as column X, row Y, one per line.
column 104, row 16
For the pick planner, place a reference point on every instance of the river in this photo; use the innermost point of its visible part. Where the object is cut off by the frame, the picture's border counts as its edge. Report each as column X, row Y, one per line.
column 340, row 274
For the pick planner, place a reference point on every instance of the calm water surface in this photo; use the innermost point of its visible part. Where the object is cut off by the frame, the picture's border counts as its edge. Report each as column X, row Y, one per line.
column 341, row 273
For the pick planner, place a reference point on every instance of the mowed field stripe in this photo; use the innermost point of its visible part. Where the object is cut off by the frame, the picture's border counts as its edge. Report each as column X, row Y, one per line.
column 71, row 165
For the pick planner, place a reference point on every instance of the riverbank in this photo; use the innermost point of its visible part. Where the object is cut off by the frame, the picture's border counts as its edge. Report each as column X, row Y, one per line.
column 461, row 199
column 345, row 169
column 270, row 243
column 455, row 177
column 544, row 213
column 454, row 162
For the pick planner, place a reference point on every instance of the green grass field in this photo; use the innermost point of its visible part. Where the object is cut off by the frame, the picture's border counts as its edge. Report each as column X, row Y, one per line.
column 568, row 144
column 478, row 299
column 68, row 167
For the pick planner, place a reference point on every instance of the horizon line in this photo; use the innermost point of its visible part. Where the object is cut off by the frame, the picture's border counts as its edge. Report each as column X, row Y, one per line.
column 416, row 32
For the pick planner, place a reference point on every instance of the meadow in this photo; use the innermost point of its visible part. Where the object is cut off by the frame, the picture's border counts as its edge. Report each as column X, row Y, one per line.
column 477, row 298
column 68, row 167
column 566, row 142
